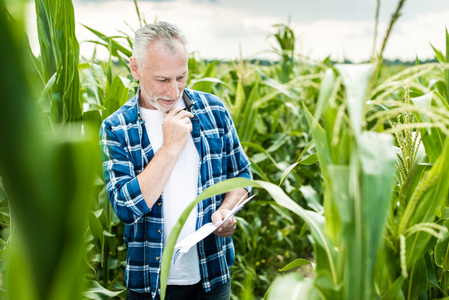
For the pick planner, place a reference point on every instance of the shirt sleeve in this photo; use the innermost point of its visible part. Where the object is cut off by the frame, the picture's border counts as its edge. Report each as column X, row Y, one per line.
column 238, row 164
column 120, row 178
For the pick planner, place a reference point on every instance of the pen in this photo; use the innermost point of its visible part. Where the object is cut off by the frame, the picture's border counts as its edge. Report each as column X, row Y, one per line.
column 188, row 107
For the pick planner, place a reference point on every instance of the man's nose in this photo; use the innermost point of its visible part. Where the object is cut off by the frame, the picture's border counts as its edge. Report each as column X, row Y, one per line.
column 173, row 90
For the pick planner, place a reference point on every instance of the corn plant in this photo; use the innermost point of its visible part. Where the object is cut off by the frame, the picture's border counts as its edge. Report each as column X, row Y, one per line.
column 59, row 61
column 47, row 182
column 289, row 115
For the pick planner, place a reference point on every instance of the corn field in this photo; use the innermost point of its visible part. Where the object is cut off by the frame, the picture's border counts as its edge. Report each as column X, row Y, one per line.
column 350, row 169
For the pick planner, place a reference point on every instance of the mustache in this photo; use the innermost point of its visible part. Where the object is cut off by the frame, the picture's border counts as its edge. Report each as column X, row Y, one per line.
column 171, row 99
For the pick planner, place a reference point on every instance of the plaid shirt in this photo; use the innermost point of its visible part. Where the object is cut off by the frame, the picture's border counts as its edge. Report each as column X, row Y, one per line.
column 126, row 151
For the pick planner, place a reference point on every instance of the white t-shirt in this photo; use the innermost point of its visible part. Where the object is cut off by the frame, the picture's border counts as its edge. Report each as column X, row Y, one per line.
column 180, row 190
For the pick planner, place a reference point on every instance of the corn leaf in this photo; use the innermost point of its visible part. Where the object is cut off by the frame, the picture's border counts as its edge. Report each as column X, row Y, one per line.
column 432, row 138
column 315, row 222
column 286, row 172
column 442, row 252
column 205, row 85
column 293, row 287
column 417, row 281
column 309, row 160
column 59, row 50
column 296, row 263
column 426, row 200
column 115, row 47
column 312, row 198
column 116, row 95
column 355, row 80
column 325, row 93
column 377, row 160
column 446, row 71
column 98, row 292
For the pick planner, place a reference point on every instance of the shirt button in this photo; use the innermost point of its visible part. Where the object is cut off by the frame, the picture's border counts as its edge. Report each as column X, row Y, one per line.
column 160, row 231
column 158, row 258
column 159, row 203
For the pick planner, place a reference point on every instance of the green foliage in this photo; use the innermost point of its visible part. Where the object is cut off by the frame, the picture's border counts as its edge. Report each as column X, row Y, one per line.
column 59, row 60
column 48, row 182
column 320, row 140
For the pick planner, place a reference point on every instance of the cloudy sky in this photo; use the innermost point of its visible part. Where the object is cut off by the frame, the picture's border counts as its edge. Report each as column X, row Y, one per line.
column 222, row 29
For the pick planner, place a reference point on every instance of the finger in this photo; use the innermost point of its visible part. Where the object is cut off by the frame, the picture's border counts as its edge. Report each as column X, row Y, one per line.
column 216, row 218
column 174, row 111
column 232, row 221
column 184, row 114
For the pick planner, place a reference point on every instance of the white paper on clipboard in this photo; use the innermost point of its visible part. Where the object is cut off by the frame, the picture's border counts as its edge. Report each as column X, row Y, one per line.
column 193, row 239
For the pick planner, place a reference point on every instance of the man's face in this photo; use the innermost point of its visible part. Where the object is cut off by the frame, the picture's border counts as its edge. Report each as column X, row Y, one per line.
column 162, row 76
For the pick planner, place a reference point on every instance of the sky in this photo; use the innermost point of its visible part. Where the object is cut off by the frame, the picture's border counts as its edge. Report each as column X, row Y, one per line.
column 230, row 29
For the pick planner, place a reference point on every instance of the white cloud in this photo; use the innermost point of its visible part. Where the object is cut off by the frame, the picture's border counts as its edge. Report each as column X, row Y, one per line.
column 412, row 37
column 218, row 31
column 338, row 38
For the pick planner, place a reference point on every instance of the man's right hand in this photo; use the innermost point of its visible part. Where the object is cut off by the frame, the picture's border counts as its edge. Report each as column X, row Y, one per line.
column 176, row 129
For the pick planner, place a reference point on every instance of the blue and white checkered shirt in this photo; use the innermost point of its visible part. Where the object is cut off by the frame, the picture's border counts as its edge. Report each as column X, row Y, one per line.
column 126, row 151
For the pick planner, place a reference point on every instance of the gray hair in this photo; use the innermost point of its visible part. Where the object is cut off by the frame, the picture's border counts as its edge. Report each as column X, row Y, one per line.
column 160, row 32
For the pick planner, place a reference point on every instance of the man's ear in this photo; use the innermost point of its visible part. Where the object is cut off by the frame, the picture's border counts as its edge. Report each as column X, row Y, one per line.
column 134, row 67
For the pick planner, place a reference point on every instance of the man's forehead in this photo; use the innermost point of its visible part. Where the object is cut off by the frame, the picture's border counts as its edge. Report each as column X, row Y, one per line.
column 171, row 47
column 166, row 75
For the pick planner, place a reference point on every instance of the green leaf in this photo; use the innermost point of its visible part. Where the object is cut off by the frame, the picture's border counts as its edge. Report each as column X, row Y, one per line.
column 292, row 287
column 326, row 91
column 355, row 80
column 432, row 138
column 205, row 83
column 309, row 160
column 441, row 88
column 96, row 229
column 296, row 263
column 194, row 83
column 116, row 95
column 430, row 267
column 425, row 202
column 321, row 141
column 46, row 105
column 60, row 58
column 446, row 71
column 445, row 214
column 326, row 251
column 281, row 212
column 312, row 198
column 377, row 159
column 110, row 41
column 261, row 149
column 441, row 252
column 55, row 168
column 257, row 170
column 102, row 217
column 240, row 99
column 394, row 292
column 98, row 292
column 438, row 54
column 111, row 241
column 286, row 172
column 417, row 281
column 250, row 113
column 2, row 194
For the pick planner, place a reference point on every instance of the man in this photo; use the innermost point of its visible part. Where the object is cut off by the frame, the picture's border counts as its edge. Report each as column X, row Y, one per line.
column 157, row 157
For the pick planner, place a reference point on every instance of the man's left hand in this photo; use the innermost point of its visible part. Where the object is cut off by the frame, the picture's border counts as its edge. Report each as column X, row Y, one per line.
column 228, row 227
